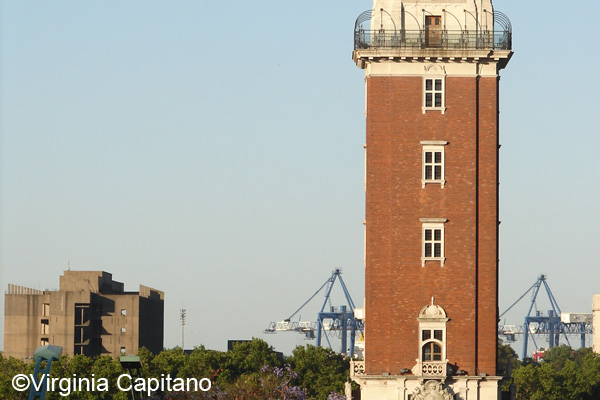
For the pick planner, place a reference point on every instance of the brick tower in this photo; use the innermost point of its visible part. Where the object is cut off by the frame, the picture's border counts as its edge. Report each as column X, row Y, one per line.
column 431, row 274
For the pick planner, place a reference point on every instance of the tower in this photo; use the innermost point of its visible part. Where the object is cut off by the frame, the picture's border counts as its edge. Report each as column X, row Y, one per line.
column 431, row 263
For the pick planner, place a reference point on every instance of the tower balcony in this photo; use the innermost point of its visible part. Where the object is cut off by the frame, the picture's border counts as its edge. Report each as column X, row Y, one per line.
column 436, row 40
column 434, row 33
column 431, row 368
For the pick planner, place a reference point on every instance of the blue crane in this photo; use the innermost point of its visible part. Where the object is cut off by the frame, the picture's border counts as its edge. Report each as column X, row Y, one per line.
column 338, row 319
column 551, row 324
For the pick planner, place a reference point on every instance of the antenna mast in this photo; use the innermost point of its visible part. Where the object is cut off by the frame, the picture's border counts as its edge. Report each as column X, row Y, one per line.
column 182, row 318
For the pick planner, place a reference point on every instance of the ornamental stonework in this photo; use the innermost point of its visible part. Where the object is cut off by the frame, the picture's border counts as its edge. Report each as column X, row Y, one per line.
column 432, row 390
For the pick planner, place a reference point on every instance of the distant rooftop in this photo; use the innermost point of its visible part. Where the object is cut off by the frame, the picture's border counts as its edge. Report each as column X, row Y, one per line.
column 93, row 281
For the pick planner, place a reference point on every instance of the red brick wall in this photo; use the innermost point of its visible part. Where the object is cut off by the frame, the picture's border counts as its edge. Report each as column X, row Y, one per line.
column 397, row 287
column 488, row 225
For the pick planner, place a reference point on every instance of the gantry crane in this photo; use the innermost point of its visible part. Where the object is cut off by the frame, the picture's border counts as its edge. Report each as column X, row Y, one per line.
column 552, row 325
column 338, row 319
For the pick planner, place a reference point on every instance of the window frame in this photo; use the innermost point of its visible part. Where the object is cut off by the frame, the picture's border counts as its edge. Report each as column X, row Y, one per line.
column 432, row 318
column 433, row 146
column 45, row 326
column 432, row 354
column 433, row 91
column 432, row 326
column 433, row 224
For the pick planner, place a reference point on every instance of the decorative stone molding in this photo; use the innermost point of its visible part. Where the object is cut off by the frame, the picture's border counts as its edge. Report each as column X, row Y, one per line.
column 357, row 367
column 432, row 311
column 435, row 69
column 432, row 368
column 431, row 390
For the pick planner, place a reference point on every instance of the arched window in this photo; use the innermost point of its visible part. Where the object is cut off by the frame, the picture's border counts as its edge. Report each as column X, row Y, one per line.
column 431, row 352
column 432, row 341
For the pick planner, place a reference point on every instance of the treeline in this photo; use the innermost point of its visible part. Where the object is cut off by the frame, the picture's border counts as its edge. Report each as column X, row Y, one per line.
column 563, row 374
column 252, row 370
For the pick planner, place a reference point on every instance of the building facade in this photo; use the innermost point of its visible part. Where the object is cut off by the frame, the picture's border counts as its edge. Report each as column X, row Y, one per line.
column 431, row 263
column 90, row 314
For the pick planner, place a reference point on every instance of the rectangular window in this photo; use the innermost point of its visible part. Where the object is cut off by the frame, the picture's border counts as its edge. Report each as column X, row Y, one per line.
column 45, row 309
column 433, row 165
column 45, row 327
column 124, row 312
column 433, row 162
column 123, row 331
column 433, row 241
column 123, row 350
column 79, row 335
column 433, row 94
column 82, row 314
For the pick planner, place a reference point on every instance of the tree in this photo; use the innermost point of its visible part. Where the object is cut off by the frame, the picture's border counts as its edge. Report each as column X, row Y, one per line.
column 247, row 358
column 320, row 371
column 10, row 367
column 203, row 363
column 251, row 370
column 563, row 374
column 507, row 362
column 558, row 356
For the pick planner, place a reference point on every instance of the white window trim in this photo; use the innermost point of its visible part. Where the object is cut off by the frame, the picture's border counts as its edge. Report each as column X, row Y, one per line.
column 433, row 223
column 432, row 326
column 432, row 317
column 433, row 146
column 433, row 108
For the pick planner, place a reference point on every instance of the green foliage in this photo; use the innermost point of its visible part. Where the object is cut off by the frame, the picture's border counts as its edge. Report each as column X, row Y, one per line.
column 81, row 366
column 507, row 362
column 563, row 374
column 270, row 383
column 247, row 359
column 10, row 367
column 558, row 356
column 321, row 371
column 251, row 370
column 167, row 362
column 204, row 363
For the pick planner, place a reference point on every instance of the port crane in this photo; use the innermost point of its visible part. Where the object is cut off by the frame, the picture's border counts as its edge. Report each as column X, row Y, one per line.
column 339, row 320
column 553, row 324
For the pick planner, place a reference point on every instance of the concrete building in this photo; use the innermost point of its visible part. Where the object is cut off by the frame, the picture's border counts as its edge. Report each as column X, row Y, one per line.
column 432, row 150
column 90, row 314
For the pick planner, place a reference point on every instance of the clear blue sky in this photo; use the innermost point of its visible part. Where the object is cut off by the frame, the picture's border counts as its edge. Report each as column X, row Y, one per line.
column 213, row 150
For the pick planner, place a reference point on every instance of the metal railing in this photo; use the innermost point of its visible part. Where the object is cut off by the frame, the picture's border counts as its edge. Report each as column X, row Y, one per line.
column 423, row 39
